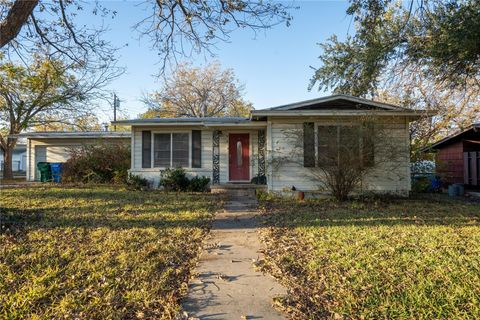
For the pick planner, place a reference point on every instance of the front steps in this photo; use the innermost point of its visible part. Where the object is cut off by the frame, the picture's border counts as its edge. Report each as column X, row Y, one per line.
column 238, row 191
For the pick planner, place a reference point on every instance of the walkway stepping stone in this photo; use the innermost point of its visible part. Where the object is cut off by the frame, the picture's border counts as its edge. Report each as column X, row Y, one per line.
column 227, row 286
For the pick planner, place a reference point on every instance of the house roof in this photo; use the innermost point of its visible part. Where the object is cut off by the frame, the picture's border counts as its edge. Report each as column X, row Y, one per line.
column 471, row 134
column 336, row 105
column 339, row 105
column 73, row 134
column 191, row 121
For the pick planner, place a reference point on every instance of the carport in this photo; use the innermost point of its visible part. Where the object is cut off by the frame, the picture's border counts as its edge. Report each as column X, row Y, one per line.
column 57, row 146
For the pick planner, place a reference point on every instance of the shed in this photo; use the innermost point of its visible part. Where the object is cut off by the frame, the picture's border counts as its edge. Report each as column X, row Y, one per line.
column 458, row 156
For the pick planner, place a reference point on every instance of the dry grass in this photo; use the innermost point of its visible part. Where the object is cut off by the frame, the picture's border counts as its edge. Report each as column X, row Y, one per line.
column 97, row 253
column 404, row 259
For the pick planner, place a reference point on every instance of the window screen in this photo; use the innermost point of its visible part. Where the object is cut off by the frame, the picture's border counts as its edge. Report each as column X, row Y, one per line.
column 161, row 150
column 179, row 150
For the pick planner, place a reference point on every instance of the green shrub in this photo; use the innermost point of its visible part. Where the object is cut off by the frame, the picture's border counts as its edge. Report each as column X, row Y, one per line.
column 177, row 180
column 199, row 184
column 259, row 180
column 421, row 184
column 100, row 163
column 174, row 180
column 135, row 182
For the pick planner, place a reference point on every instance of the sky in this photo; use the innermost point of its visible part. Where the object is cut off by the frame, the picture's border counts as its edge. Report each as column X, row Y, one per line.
column 274, row 65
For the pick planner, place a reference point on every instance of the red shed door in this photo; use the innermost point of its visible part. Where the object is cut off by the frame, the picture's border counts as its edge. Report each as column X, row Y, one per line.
column 239, row 157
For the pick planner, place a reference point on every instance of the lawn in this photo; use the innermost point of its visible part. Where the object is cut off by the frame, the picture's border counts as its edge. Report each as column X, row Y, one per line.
column 401, row 259
column 97, row 253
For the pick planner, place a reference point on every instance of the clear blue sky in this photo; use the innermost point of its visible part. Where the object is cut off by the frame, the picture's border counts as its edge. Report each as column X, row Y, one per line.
column 275, row 66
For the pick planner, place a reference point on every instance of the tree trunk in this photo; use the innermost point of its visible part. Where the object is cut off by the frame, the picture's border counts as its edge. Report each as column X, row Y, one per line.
column 7, row 146
column 7, row 163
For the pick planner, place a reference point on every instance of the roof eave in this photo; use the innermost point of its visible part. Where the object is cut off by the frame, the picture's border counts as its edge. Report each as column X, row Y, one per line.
column 191, row 124
column 70, row 136
column 300, row 113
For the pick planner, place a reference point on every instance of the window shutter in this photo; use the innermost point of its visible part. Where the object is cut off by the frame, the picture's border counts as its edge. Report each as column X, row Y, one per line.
column 196, row 148
column 308, row 144
column 368, row 146
column 146, row 149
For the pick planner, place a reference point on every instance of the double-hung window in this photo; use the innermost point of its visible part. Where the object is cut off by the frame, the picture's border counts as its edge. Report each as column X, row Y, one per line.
column 171, row 150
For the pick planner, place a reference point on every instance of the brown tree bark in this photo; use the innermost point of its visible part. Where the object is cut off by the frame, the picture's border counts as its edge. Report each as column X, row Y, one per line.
column 16, row 18
column 7, row 164
column 7, row 146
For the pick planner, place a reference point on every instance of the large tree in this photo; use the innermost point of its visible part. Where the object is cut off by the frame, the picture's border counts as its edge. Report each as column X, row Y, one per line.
column 423, row 55
column 198, row 92
column 45, row 92
column 173, row 26
column 455, row 108
column 443, row 37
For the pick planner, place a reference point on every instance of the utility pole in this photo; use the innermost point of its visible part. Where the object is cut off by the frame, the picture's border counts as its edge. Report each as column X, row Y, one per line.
column 116, row 104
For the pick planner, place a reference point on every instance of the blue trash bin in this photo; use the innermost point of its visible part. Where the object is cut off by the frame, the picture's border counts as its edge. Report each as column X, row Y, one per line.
column 56, row 172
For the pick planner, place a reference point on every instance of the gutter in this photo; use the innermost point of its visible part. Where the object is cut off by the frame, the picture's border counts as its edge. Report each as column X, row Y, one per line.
column 296, row 113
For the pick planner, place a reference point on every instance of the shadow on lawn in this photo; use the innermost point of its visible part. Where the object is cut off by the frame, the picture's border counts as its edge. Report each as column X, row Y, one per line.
column 18, row 220
column 14, row 219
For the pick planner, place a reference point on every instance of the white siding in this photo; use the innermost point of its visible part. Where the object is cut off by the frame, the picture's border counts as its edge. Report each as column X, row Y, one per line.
column 153, row 174
column 285, row 153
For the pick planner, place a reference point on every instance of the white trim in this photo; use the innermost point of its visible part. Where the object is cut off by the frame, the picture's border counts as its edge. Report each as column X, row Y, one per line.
column 269, row 155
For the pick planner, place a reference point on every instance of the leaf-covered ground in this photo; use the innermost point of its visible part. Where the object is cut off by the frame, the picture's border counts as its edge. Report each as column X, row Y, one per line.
column 403, row 259
column 97, row 253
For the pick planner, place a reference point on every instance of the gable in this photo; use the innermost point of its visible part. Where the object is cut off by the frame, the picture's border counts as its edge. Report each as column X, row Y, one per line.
column 340, row 104
column 337, row 102
column 471, row 135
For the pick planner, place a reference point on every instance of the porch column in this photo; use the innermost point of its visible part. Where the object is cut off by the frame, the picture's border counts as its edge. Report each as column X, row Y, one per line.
column 261, row 153
column 216, row 157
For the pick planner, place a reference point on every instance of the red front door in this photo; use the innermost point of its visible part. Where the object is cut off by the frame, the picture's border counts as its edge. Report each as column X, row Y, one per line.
column 239, row 157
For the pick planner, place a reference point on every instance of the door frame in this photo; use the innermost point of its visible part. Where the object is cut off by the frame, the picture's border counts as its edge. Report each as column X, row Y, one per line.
column 249, row 156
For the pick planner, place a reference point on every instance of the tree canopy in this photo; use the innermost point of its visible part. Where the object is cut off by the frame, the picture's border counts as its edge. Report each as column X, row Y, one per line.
column 441, row 38
column 43, row 93
column 174, row 27
column 198, row 92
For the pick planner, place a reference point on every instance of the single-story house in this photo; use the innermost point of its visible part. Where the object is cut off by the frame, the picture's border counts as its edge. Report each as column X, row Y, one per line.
column 56, row 146
column 457, row 156
column 19, row 158
column 234, row 150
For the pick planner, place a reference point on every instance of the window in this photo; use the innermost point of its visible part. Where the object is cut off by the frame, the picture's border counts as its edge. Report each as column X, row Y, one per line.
column 345, row 144
column 239, row 154
column 171, row 150
column 180, row 150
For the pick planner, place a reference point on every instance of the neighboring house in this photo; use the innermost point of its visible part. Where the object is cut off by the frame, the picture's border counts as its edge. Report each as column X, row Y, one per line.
column 56, row 146
column 458, row 156
column 234, row 150
column 19, row 158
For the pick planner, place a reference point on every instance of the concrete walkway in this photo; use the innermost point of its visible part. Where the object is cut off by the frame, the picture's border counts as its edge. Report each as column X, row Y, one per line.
column 227, row 286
